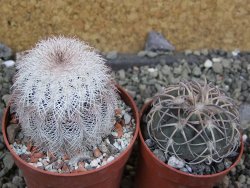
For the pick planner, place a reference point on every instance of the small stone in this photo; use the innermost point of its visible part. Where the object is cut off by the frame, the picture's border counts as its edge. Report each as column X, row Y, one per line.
column 9, row 185
column 94, row 163
column 220, row 167
column 225, row 182
column 208, row 63
column 248, row 181
column 24, row 157
column 235, row 52
column 65, row 168
column 38, row 155
column 217, row 59
column 157, row 42
column 176, row 163
column 184, row 170
column 218, row 68
column 188, row 52
column 111, row 158
column 196, row 71
column 5, row 52
column 12, row 130
column 127, row 118
column 97, row 153
column 153, row 72
column 244, row 137
column 197, row 53
column 122, row 74
column 8, row 161
column 111, row 139
column 9, row 63
column 159, row 154
column 151, row 54
column 112, row 55
column 205, row 52
column 58, row 164
column 39, row 163
column 188, row 168
column 242, row 178
column 81, row 167
column 103, row 148
column 227, row 163
column 150, row 143
column 244, row 115
column 113, row 149
column 18, row 181
column 33, row 159
column 178, row 70
column 142, row 53
column 119, row 130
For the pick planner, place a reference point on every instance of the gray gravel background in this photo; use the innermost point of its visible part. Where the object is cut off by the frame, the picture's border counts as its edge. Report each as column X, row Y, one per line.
column 230, row 71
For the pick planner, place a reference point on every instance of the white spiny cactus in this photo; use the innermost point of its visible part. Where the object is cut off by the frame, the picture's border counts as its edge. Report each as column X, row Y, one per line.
column 64, row 96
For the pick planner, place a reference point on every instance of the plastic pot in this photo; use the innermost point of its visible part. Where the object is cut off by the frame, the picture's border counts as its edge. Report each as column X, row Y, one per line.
column 152, row 172
column 108, row 176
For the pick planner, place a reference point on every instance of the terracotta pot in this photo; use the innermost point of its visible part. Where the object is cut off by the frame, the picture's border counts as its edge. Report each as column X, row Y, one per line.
column 108, row 176
column 152, row 172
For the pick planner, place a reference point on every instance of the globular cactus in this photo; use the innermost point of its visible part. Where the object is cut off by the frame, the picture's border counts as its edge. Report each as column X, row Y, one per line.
column 64, row 96
column 195, row 122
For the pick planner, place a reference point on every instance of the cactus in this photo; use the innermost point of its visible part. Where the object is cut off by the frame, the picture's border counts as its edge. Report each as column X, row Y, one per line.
column 195, row 122
column 64, row 96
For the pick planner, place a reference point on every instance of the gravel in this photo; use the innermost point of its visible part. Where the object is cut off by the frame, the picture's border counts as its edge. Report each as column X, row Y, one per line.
column 228, row 70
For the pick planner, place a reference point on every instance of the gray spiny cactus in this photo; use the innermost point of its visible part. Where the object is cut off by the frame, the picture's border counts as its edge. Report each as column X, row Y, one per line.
column 195, row 122
column 64, row 96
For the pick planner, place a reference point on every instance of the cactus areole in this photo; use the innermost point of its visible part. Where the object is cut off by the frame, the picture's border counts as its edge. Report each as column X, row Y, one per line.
column 195, row 122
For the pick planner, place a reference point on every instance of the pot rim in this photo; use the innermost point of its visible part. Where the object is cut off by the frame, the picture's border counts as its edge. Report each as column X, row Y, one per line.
column 144, row 108
column 110, row 164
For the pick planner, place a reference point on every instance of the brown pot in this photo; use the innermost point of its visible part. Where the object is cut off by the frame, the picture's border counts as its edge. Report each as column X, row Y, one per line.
column 107, row 176
column 152, row 172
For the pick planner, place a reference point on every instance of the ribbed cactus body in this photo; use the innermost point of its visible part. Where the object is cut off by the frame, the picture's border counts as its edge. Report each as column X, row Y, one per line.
column 195, row 122
column 64, row 96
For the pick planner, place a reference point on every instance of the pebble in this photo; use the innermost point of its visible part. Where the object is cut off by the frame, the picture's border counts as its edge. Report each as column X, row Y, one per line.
column 142, row 53
column 12, row 130
column 196, row 71
column 18, row 181
column 151, row 54
column 127, row 118
column 111, row 158
column 157, row 42
column 244, row 137
column 8, row 163
column 150, row 143
column 160, row 155
column 176, row 163
column 94, row 163
column 9, row 63
column 245, row 115
column 112, row 55
column 208, row 63
column 227, row 163
column 5, row 52
column 242, row 178
column 217, row 67
column 235, row 52
column 122, row 74
column 97, row 152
